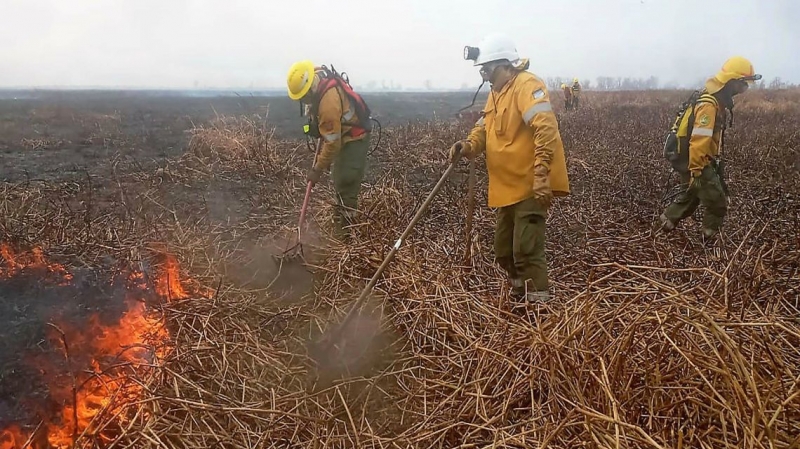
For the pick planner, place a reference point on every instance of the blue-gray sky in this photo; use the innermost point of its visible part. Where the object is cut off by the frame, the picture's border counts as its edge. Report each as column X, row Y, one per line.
column 252, row 43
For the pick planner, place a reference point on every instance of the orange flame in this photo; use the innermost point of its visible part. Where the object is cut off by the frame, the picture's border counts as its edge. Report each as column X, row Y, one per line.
column 168, row 285
column 16, row 262
column 110, row 391
column 12, row 437
column 136, row 341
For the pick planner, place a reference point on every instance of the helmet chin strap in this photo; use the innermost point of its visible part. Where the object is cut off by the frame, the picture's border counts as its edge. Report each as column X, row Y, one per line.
column 474, row 97
column 483, row 81
column 473, row 53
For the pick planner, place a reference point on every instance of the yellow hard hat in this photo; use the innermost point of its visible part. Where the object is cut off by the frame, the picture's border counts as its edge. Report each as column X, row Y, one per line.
column 735, row 68
column 563, row 86
column 300, row 78
column 574, row 80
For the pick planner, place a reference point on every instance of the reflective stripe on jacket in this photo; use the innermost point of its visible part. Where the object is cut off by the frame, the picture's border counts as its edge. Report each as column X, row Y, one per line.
column 518, row 132
column 706, row 132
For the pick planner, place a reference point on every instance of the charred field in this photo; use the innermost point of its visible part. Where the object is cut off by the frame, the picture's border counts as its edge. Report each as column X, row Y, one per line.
column 142, row 305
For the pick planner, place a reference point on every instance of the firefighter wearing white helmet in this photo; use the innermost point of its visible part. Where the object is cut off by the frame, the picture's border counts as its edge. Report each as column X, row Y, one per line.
column 518, row 132
column 576, row 92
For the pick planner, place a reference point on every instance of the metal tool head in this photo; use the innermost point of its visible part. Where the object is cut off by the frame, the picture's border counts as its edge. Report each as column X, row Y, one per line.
column 292, row 253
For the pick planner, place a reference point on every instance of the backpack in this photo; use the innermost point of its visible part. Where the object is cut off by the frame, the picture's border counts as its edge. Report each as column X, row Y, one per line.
column 329, row 79
column 676, row 144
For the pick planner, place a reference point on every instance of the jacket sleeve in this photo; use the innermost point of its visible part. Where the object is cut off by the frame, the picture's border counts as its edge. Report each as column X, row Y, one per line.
column 330, row 128
column 533, row 101
column 477, row 136
column 701, row 140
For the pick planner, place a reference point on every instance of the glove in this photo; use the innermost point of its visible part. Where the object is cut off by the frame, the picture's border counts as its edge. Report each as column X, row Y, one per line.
column 541, row 185
column 314, row 174
column 462, row 146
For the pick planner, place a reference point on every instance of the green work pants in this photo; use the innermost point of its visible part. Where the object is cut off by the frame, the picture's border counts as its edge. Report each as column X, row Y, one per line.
column 706, row 190
column 519, row 242
column 347, row 173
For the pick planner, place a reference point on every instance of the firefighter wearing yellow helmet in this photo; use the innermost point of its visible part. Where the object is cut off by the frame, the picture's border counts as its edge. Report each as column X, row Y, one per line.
column 701, row 177
column 340, row 118
column 518, row 132
column 567, row 96
column 576, row 92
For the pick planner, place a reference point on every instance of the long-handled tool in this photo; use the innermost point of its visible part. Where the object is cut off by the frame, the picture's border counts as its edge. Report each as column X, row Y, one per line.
column 297, row 249
column 323, row 346
column 470, row 212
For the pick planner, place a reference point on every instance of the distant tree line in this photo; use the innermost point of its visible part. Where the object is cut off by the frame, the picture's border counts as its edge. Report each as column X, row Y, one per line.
column 603, row 83
column 650, row 83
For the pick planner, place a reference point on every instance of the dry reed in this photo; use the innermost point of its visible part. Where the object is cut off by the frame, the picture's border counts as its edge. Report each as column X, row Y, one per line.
column 651, row 341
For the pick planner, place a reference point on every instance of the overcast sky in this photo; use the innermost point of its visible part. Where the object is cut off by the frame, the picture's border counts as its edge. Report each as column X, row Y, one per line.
column 252, row 43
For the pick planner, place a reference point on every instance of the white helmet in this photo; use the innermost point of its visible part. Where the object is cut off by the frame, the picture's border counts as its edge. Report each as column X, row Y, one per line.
column 495, row 47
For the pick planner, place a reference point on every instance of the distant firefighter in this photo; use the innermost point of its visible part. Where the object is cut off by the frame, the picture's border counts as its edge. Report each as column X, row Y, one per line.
column 576, row 92
column 567, row 96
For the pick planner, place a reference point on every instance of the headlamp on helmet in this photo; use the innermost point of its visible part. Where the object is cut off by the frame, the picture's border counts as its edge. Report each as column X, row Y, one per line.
column 755, row 77
column 471, row 53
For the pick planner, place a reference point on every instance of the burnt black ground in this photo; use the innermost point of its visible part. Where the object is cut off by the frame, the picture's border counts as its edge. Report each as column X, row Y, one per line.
column 63, row 137
column 57, row 134
column 29, row 302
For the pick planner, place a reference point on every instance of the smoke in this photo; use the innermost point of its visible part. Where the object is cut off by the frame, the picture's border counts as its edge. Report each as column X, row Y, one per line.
column 275, row 265
column 361, row 348
column 256, row 262
column 263, row 266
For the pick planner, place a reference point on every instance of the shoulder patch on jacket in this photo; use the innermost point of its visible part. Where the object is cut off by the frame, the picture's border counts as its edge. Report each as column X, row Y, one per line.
column 538, row 93
column 704, row 119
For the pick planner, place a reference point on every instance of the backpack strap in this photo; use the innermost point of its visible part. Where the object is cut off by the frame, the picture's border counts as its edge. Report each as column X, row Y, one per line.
column 704, row 98
column 330, row 79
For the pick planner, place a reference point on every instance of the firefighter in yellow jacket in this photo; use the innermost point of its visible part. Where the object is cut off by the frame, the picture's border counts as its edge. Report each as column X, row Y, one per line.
column 524, row 159
column 702, row 180
column 567, row 96
column 576, row 92
column 333, row 108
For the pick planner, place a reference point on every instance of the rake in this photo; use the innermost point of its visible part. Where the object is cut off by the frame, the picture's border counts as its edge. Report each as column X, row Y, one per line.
column 296, row 251
column 323, row 345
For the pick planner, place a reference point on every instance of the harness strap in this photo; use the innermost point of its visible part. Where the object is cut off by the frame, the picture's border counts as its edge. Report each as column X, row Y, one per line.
column 328, row 83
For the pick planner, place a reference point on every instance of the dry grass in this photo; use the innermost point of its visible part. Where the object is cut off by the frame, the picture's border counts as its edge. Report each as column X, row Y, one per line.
column 651, row 341
column 40, row 144
column 230, row 137
column 755, row 101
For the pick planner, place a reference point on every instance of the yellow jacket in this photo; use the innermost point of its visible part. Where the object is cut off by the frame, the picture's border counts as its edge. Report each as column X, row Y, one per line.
column 706, row 133
column 576, row 89
column 335, row 116
column 518, row 132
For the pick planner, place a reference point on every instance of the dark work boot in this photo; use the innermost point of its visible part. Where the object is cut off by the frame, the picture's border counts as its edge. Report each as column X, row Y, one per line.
column 709, row 236
column 538, row 297
column 517, row 288
column 664, row 224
